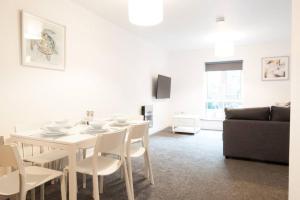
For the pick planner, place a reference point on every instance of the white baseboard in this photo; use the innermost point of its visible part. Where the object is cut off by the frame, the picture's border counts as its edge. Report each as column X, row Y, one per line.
column 212, row 124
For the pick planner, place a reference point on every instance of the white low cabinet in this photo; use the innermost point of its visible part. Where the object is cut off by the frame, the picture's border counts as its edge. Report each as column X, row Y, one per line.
column 186, row 123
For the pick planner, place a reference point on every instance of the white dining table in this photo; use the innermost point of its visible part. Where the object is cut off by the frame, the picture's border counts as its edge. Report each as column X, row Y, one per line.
column 72, row 141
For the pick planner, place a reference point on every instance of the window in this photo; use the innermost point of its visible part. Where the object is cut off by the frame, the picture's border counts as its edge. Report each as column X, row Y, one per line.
column 223, row 90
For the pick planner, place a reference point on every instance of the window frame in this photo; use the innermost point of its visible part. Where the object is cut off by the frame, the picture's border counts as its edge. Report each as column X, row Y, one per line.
column 222, row 101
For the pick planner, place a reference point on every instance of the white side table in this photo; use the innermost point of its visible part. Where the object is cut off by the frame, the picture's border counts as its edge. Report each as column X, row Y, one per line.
column 185, row 123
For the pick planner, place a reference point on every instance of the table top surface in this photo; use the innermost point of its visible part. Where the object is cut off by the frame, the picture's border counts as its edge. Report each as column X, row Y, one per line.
column 76, row 134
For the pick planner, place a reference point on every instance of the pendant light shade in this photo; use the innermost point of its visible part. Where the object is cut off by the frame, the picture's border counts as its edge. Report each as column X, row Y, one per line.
column 145, row 12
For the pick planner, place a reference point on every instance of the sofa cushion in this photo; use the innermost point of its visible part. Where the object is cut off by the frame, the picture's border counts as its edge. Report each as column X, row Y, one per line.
column 262, row 113
column 280, row 113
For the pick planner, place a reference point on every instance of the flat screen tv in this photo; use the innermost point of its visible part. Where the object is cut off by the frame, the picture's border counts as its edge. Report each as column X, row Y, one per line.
column 163, row 87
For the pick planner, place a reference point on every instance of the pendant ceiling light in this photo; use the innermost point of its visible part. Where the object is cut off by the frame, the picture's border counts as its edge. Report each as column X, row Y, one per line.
column 224, row 45
column 145, row 12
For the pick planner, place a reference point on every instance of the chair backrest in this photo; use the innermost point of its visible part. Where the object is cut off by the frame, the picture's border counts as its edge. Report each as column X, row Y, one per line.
column 110, row 143
column 3, row 170
column 9, row 157
column 28, row 149
column 135, row 117
column 139, row 131
column 138, row 134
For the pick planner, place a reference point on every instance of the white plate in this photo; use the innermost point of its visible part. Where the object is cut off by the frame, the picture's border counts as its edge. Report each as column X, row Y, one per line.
column 47, row 131
column 49, row 134
column 58, row 127
column 68, row 126
column 94, row 131
column 120, row 124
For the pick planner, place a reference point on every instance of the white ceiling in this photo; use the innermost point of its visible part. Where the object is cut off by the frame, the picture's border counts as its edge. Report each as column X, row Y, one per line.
column 188, row 24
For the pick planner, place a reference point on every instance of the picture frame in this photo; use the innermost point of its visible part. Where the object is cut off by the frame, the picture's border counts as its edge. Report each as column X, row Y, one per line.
column 275, row 68
column 43, row 43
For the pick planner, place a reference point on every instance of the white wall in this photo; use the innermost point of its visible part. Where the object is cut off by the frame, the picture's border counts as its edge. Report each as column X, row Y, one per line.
column 107, row 69
column 188, row 73
column 294, row 176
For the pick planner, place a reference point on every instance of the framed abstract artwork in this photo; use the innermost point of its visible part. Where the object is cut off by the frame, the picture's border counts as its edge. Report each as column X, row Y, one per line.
column 275, row 68
column 43, row 43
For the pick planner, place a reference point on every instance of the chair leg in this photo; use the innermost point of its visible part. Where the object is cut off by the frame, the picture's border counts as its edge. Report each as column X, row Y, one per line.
column 149, row 167
column 63, row 187
column 100, row 180
column 146, row 167
column 22, row 195
column 129, row 187
column 84, row 181
column 84, row 175
column 65, row 172
column 53, row 166
column 32, row 193
column 60, row 162
column 95, row 188
column 129, row 171
column 42, row 187
column 121, row 173
column 42, row 192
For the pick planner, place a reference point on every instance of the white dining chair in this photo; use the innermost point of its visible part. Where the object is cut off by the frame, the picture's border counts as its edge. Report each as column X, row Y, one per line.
column 108, row 158
column 135, row 117
column 5, row 170
column 1, row 140
column 137, row 145
column 2, row 169
column 41, row 156
column 23, row 179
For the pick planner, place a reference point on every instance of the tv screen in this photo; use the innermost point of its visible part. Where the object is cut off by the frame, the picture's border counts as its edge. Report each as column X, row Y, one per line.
column 163, row 87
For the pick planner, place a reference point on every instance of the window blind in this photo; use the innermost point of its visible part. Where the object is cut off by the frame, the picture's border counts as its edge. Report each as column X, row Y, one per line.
column 224, row 66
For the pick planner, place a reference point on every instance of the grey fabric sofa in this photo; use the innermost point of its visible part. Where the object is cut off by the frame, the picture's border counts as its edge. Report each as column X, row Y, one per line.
column 257, row 134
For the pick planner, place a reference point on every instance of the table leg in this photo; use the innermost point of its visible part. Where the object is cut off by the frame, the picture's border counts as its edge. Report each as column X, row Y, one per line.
column 83, row 175
column 173, row 126
column 195, row 124
column 72, row 174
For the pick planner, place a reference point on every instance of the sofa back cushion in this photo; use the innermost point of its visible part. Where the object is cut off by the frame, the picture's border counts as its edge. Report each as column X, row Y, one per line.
column 280, row 113
column 262, row 113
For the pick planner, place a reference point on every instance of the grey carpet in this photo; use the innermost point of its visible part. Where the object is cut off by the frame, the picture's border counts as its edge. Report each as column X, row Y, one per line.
column 192, row 168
